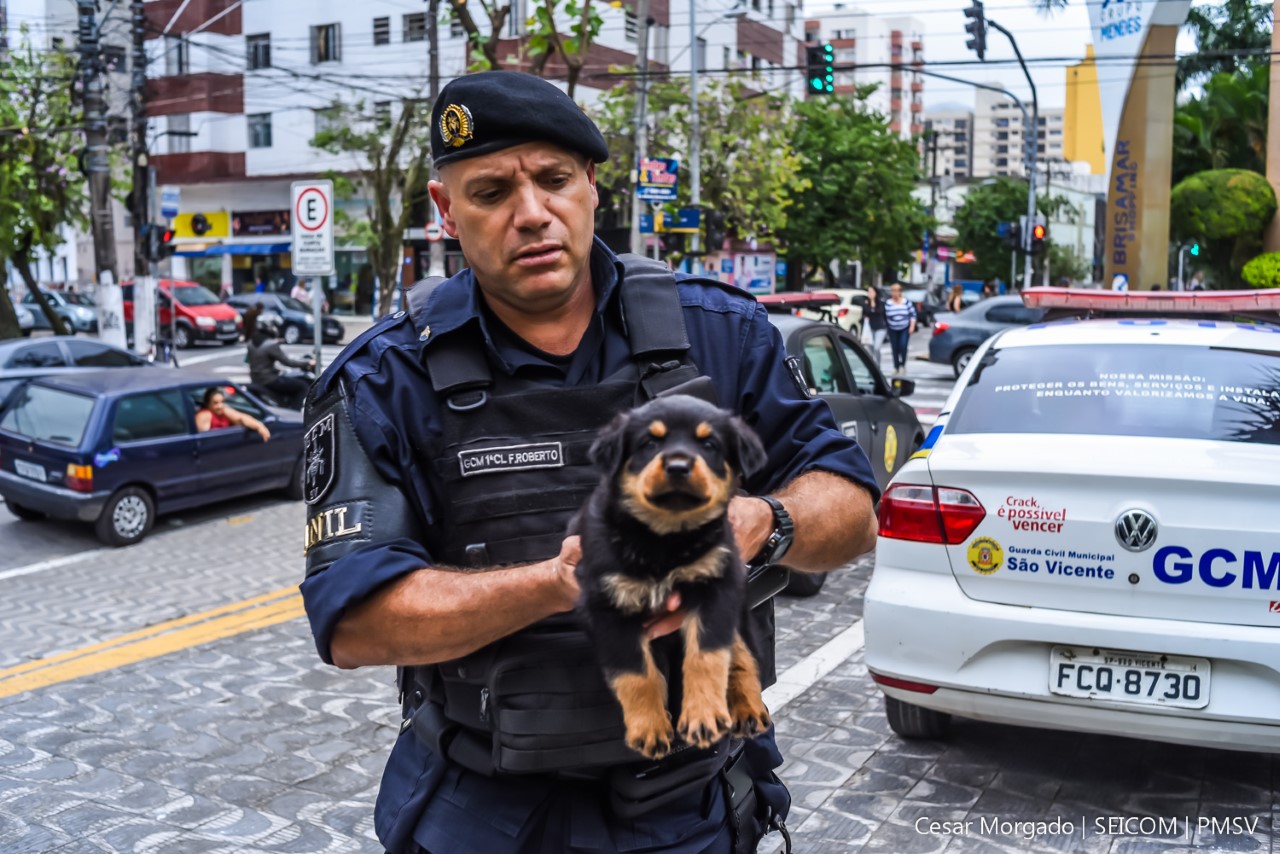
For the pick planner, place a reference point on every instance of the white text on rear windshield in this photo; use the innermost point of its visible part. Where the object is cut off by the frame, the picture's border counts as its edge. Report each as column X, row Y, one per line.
column 1118, row 390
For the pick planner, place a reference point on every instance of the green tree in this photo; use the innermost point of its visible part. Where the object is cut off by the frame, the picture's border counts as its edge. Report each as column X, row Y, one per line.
column 1223, row 30
column 1263, row 271
column 1225, row 127
column 746, row 174
column 977, row 220
column 39, row 144
column 389, row 162
column 857, row 203
column 1226, row 210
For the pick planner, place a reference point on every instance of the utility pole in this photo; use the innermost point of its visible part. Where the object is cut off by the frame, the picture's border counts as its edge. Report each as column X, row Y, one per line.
column 695, row 138
column 640, row 119
column 436, row 265
column 141, row 196
column 97, row 163
column 1271, row 237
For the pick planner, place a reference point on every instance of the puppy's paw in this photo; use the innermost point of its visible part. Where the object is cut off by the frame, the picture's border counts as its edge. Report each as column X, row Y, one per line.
column 651, row 737
column 704, row 724
column 750, row 717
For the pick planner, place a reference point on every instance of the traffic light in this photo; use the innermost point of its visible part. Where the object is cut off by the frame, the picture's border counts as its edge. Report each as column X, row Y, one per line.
column 1013, row 238
column 715, row 231
column 977, row 29
column 820, row 67
column 159, row 242
column 1194, row 249
column 1038, row 235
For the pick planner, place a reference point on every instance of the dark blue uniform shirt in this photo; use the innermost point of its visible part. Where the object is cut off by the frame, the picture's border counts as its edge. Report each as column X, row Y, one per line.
column 395, row 411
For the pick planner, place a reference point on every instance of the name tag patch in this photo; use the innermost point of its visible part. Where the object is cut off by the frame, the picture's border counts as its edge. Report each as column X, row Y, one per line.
column 543, row 455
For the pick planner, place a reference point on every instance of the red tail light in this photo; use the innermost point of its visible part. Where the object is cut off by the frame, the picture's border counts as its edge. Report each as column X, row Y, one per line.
column 844, row 312
column 940, row 327
column 904, row 684
column 79, row 478
column 929, row 514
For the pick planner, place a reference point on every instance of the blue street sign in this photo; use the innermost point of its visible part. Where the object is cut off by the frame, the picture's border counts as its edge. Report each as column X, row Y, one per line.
column 646, row 223
column 726, row 265
column 170, row 200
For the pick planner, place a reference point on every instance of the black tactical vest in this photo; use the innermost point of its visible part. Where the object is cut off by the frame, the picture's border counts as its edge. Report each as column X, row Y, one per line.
column 513, row 470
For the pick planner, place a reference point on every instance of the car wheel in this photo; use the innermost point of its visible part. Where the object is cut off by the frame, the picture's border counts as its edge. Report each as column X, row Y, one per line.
column 182, row 337
column 293, row 490
column 292, row 334
column 911, row 721
column 24, row 513
column 805, row 584
column 26, row 333
column 127, row 518
column 960, row 359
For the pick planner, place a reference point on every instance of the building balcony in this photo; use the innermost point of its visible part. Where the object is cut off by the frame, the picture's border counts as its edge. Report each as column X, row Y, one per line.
column 916, row 128
column 224, row 15
column 917, row 107
column 195, row 93
column 895, row 105
column 917, row 44
column 198, row 167
column 917, row 86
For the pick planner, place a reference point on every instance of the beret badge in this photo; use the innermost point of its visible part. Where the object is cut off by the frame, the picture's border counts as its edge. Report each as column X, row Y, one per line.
column 456, row 126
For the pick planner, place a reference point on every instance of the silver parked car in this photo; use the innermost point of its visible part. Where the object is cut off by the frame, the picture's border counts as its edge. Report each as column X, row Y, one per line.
column 26, row 320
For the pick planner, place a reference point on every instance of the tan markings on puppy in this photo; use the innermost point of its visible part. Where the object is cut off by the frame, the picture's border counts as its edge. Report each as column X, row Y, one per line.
column 746, row 705
column 657, row 429
column 704, row 713
column 643, row 697
column 647, row 596
column 635, row 490
column 703, row 430
column 718, row 489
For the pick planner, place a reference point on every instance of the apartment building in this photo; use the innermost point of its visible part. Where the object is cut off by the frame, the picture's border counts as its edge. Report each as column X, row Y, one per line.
column 874, row 44
column 999, row 131
column 947, row 143
column 238, row 89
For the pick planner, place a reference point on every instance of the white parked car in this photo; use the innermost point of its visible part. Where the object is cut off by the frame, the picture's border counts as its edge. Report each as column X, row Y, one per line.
column 1089, row 538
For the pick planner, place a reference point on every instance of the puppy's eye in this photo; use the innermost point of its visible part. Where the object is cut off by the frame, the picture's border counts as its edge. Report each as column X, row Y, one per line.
column 648, row 444
column 711, row 444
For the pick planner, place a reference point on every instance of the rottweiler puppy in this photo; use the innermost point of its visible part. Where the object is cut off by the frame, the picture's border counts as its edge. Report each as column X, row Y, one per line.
column 656, row 524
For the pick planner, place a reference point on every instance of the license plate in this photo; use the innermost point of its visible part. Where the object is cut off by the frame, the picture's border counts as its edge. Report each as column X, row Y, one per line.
column 30, row 470
column 1146, row 678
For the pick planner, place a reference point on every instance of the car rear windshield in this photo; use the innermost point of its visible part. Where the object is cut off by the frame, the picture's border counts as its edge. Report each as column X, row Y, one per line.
column 195, row 295
column 47, row 415
column 1136, row 390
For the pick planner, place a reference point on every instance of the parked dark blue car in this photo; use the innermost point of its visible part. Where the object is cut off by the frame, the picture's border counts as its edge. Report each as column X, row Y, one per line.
column 956, row 336
column 118, row 448
column 296, row 320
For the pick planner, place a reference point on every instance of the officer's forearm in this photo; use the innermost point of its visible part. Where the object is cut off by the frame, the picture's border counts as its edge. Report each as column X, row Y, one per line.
column 834, row 518
column 436, row 615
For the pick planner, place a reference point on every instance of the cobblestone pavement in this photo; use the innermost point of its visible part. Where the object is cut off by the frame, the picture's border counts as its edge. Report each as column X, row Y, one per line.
column 248, row 744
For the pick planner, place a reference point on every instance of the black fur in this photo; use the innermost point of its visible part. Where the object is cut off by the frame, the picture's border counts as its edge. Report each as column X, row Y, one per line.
column 646, row 521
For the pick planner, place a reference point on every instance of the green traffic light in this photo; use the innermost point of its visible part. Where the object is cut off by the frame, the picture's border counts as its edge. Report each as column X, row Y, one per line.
column 1195, row 249
column 817, row 84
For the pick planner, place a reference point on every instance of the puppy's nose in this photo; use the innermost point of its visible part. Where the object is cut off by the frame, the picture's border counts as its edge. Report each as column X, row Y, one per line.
column 677, row 466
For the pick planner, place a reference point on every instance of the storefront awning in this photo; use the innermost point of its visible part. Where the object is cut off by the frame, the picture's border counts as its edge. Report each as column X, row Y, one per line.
column 235, row 249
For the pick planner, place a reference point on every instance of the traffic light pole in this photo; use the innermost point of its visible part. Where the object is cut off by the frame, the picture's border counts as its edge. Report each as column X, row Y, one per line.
column 1032, row 140
column 96, row 163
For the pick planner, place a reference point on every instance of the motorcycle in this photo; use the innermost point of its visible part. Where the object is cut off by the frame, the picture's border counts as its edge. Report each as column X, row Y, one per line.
column 274, row 398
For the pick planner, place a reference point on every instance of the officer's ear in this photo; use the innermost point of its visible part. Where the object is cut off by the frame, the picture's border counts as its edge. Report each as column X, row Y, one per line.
column 744, row 446
column 610, row 446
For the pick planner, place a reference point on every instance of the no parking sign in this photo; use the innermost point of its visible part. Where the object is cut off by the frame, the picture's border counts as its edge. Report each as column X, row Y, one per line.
column 313, row 228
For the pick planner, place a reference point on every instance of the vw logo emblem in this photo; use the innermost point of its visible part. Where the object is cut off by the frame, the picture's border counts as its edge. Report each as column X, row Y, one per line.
column 1136, row 530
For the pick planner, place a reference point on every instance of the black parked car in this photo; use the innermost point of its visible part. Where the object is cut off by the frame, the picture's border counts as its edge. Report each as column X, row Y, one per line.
column 296, row 318
column 118, row 448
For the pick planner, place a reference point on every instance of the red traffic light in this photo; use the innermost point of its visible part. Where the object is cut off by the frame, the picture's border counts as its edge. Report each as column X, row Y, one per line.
column 167, row 235
column 1038, row 232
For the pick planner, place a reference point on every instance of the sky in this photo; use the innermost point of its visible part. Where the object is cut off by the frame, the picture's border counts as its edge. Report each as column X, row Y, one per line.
column 1063, row 34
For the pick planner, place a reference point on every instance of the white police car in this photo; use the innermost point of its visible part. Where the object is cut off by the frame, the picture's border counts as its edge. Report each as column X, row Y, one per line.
column 1089, row 538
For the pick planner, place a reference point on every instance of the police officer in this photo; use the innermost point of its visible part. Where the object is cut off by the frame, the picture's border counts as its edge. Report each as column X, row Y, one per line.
column 446, row 450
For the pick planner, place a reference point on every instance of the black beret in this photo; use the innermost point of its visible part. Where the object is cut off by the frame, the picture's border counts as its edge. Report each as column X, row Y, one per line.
column 487, row 112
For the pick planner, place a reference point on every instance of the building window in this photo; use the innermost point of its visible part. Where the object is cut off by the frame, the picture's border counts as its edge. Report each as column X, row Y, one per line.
column 701, row 55
column 962, row 164
column 631, row 27
column 114, row 58
column 844, row 34
column 1002, row 134
column 1002, row 161
column 456, row 30
column 176, row 56
column 516, row 20
column 179, row 124
column 962, row 123
column 1002, row 123
column 382, row 112
column 770, row 10
column 381, row 31
column 259, row 130
column 259, row 50
column 1002, row 149
column 326, row 44
column 415, row 27
column 328, row 119
column 727, row 57
column 56, row 43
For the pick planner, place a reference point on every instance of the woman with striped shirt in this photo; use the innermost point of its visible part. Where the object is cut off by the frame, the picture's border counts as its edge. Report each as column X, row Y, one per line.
column 901, row 316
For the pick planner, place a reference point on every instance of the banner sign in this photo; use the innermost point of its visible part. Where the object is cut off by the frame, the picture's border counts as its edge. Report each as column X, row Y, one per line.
column 658, row 179
column 260, row 223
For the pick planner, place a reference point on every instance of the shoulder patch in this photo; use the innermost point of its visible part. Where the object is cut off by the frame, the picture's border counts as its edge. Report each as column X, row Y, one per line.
column 320, row 455
column 797, row 377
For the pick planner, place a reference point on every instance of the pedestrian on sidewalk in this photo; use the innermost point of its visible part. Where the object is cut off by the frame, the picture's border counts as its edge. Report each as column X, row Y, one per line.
column 522, row 354
column 873, row 318
column 900, row 315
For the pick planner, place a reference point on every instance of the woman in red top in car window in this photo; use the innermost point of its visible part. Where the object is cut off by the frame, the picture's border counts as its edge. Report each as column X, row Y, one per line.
column 214, row 414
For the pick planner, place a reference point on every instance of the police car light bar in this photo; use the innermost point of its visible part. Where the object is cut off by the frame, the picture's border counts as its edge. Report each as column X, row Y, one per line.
column 1199, row 303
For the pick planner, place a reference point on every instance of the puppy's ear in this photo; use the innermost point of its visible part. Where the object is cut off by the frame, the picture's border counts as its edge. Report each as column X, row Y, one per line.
column 744, row 444
column 607, row 450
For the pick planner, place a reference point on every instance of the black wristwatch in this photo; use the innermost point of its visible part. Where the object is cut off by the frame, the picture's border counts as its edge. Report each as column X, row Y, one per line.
column 784, row 533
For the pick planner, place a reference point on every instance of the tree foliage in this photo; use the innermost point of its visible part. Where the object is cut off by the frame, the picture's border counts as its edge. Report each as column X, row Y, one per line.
column 390, row 158
column 857, row 176
column 1263, row 271
column 40, row 187
column 977, row 220
column 555, row 28
column 1223, row 32
column 1226, row 210
column 1225, row 127
column 746, row 174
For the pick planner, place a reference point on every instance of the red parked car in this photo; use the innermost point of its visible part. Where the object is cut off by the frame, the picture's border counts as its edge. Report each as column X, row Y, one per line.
column 201, row 316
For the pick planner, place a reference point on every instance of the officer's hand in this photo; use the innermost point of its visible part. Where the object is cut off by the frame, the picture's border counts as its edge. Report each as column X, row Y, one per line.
column 665, row 625
column 566, row 564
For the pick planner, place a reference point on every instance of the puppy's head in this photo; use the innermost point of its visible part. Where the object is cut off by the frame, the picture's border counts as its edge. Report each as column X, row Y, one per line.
column 677, row 461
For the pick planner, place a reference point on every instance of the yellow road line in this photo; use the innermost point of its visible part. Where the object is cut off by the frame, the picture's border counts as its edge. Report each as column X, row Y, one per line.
column 154, row 641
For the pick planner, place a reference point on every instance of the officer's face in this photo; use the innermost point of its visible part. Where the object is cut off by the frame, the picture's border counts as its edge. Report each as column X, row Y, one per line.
column 525, row 217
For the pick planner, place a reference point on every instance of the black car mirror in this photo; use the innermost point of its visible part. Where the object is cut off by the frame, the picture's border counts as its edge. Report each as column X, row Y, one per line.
column 903, row 387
